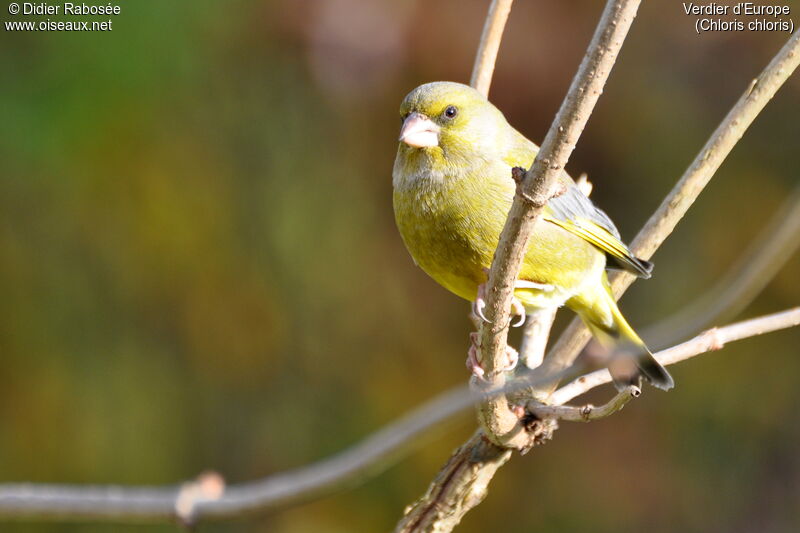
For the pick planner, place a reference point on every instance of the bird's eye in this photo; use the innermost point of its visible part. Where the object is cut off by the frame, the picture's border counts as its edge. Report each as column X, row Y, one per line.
column 451, row 111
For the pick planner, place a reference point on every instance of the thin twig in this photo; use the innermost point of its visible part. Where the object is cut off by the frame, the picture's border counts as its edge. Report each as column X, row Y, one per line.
column 537, row 187
column 588, row 412
column 489, row 45
column 713, row 339
column 676, row 204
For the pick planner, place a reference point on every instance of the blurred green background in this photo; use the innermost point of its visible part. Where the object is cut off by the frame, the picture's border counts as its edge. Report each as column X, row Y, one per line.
column 199, row 267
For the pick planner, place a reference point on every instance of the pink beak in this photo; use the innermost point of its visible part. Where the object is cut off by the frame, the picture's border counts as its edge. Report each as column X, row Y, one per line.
column 419, row 131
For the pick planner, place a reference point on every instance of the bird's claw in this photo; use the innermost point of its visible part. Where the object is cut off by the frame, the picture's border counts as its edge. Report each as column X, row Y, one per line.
column 517, row 308
column 479, row 305
column 512, row 358
column 477, row 308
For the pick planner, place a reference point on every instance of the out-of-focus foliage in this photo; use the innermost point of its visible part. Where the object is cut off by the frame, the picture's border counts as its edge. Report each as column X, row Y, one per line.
column 199, row 266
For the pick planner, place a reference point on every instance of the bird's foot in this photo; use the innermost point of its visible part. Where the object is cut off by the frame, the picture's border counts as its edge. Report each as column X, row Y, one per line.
column 478, row 306
column 474, row 363
column 517, row 308
column 518, row 311
column 512, row 358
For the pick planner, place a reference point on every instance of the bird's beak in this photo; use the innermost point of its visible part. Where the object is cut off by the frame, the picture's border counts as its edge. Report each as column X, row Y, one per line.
column 419, row 131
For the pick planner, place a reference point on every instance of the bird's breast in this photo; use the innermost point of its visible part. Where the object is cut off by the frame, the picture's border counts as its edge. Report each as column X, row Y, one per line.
column 441, row 231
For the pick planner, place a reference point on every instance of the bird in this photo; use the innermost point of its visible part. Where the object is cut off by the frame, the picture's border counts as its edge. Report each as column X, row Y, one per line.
column 452, row 191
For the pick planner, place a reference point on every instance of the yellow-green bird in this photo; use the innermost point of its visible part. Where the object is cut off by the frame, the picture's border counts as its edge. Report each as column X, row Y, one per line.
column 452, row 192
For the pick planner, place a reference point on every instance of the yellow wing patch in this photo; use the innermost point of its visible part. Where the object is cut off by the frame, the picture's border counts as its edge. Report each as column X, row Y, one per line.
column 603, row 239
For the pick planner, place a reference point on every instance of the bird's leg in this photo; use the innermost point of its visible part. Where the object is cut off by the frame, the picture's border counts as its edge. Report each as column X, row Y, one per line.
column 473, row 358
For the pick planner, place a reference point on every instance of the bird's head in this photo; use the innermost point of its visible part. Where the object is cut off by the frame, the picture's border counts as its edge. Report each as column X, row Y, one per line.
column 449, row 121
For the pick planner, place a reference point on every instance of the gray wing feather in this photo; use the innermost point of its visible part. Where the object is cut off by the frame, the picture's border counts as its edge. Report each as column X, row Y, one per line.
column 574, row 204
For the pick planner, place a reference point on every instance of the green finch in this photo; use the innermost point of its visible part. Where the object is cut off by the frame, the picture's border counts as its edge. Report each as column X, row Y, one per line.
column 453, row 189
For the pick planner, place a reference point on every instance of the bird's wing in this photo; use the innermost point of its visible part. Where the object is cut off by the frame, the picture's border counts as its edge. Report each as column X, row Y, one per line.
column 576, row 213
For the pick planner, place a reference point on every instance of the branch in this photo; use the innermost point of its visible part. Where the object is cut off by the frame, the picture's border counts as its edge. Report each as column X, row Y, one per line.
column 459, row 486
column 489, row 45
column 713, row 339
column 676, row 204
column 588, row 412
column 536, row 188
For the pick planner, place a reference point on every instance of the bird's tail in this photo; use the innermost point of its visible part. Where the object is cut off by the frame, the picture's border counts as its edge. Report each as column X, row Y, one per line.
column 599, row 311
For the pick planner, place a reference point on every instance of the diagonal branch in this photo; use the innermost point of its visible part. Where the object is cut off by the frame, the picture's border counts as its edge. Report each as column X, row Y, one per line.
column 680, row 199
column 537, row 187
